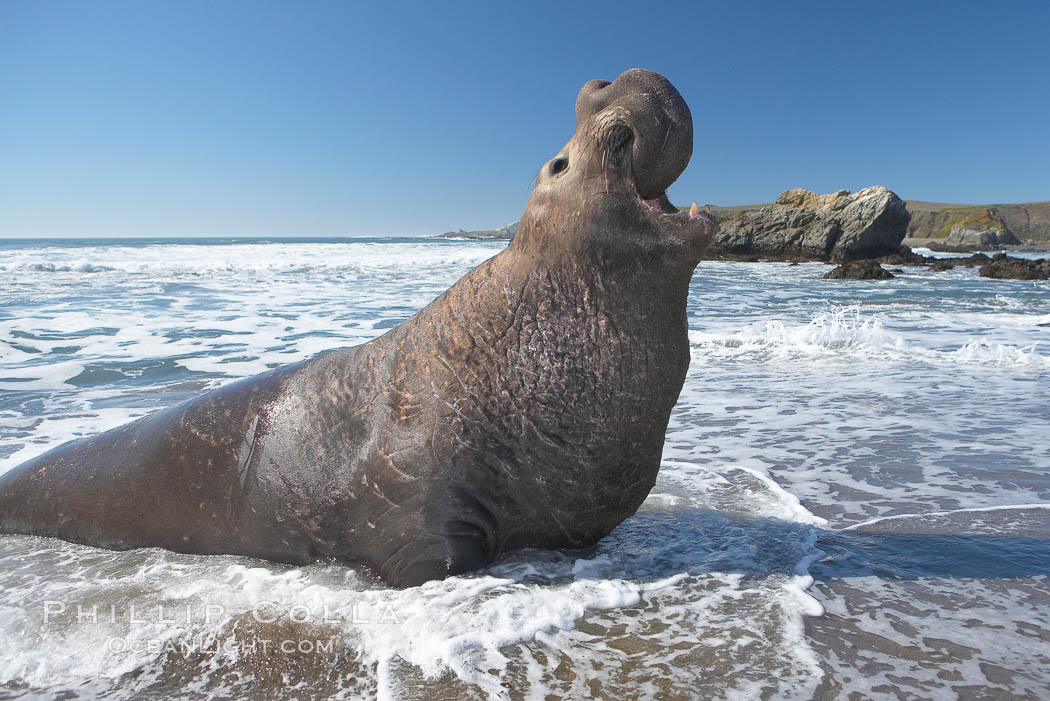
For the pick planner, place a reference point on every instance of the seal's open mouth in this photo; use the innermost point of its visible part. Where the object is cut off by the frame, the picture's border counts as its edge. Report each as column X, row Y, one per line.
column 613, row 129
column 662, row 205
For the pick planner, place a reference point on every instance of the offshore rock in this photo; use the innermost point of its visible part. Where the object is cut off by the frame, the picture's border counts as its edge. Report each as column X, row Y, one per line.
column 1004, row 267
column 802, row 225
column 905, row 256
column 859, row 270
column 939, row 265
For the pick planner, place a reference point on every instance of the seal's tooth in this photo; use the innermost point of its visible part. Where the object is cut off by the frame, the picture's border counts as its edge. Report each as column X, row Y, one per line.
column 694, row 211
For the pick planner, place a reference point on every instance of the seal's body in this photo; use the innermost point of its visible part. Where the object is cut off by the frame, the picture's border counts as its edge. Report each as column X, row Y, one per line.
column 525, row 407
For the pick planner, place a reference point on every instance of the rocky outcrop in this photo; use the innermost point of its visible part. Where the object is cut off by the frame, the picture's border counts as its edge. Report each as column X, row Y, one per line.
column 859, row 270
column 802, row 225
column 1000, row 266
column 1003, row 267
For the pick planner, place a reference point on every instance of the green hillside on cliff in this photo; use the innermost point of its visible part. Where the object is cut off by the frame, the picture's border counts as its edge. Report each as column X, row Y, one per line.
column 1028, row 221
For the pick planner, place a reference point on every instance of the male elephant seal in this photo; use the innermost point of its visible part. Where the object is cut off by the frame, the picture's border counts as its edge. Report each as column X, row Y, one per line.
column 524, row 407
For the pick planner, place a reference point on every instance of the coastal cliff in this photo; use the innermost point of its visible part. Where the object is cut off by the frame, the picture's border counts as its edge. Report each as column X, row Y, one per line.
column 992, row 225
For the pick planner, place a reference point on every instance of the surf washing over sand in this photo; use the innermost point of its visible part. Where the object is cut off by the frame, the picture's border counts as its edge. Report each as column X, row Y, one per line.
column 855, row 494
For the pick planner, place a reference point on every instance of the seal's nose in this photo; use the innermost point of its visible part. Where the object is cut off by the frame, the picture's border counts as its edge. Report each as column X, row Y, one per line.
column 659, row 118
column 590, row 101
column 613, row 128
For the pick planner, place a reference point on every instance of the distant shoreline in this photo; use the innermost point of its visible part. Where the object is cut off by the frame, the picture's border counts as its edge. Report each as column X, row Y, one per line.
column 930, row 226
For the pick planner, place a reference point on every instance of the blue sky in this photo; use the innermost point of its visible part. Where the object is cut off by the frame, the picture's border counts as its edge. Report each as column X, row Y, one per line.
column 155, row 118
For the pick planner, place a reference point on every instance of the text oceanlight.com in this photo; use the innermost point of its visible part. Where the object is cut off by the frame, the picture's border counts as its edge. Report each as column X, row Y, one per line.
column 209, row 645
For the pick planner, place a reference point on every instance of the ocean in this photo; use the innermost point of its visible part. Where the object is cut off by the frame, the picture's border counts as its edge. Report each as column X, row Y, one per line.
column 854, row 500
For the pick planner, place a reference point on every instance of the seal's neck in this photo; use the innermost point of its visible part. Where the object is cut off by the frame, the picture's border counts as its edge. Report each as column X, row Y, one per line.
column 575, row 320
column 616, row 239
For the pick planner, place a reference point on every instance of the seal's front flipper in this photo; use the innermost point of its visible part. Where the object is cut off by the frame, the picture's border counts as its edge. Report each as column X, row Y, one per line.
column 461, row 548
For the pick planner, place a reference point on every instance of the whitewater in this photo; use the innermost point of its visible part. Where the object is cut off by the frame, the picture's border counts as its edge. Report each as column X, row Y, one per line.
column 854, row 499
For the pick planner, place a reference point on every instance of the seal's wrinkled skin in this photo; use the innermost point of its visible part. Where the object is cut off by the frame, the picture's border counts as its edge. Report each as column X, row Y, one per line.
column 524, row 407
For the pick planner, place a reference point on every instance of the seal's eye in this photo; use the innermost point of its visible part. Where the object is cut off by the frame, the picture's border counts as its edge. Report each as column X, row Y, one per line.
column 558, row 165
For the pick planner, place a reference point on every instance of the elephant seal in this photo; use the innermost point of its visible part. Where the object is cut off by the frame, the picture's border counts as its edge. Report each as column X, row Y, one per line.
column 524, row 407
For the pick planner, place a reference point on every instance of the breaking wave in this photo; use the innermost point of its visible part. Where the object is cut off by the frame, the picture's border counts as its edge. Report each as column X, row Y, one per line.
column 846, row 332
